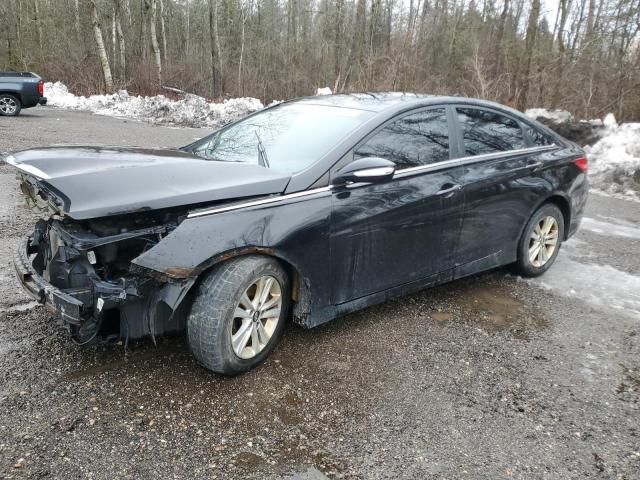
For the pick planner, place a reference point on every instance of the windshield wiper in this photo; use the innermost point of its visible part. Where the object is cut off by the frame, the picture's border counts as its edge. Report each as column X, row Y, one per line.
column 262, row 152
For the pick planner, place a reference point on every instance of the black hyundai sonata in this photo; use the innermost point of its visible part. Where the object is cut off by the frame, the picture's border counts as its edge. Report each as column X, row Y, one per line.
column 309, row 209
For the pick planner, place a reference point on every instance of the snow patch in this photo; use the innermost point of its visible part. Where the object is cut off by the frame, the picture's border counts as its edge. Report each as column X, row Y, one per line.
column 191, row 110
column 614, row 161
column 324, row 91
column 603, row 287
column 555, row 116
column 611, row 227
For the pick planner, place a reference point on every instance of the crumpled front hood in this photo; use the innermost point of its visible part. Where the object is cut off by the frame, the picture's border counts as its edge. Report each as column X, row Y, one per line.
column 95, row 182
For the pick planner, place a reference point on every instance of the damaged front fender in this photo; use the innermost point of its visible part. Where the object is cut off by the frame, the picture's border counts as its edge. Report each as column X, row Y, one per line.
column 294, row 229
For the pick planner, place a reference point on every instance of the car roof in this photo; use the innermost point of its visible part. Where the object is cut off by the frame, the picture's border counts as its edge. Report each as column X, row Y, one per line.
column 394, row 101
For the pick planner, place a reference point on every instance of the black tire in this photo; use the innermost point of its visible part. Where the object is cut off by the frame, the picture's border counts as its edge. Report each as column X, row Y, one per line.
column 211, row 321
column 524, row 265
column 12, row 102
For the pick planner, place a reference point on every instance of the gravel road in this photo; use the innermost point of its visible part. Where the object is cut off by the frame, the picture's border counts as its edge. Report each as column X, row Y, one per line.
column 489, row 377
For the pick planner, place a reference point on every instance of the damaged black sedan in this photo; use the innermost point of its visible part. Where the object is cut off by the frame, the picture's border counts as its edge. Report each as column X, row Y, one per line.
column 308, row 210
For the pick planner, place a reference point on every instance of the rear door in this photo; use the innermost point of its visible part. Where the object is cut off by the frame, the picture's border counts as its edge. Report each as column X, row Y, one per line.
column 502, row 184
column 405, row 230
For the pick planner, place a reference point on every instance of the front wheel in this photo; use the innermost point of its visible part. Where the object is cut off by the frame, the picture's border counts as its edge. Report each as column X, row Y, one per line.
column 541, row 241
column 10, row 106
column 238, row 314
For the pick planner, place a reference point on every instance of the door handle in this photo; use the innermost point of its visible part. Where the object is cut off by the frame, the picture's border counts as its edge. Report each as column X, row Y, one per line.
column 449, row 188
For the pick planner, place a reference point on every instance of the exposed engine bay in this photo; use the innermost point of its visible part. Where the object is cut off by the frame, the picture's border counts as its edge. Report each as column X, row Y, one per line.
column 90, row 261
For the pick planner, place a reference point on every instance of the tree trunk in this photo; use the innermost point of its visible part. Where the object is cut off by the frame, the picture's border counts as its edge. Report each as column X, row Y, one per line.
column 38, row 22
column 77, row 15
column 121, row 42
column 337, row 40
column 114, row 58
column 217, row 84
column 188, row 28
column 564, row 13
column 163, row 31
column 498, row 52
column 154, row 41
column 530, row 41
column 243, row 21
column 143, row 29
column 102, row 52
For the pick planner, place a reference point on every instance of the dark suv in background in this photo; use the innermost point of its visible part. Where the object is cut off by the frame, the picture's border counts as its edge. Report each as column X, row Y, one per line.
column 20, row 90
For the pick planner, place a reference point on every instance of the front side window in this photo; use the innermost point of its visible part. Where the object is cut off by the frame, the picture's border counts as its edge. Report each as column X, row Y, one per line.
column 287, row 138
column 417, row 139
column 484, row 131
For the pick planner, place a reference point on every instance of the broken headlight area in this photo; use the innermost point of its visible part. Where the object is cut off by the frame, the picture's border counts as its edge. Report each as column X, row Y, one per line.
column 90, row 261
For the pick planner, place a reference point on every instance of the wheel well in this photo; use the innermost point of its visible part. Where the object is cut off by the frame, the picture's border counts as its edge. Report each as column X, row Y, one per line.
column 300, row 291
column 15, row 94
column 563, row 204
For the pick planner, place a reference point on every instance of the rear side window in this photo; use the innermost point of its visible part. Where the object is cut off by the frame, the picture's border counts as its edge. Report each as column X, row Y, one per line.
column 484, row 131
column 539, row 138
column 417, row 139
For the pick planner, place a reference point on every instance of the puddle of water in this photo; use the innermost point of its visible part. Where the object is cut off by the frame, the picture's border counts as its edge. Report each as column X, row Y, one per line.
column 310, row 474
column 493, row 308
column 441, row 316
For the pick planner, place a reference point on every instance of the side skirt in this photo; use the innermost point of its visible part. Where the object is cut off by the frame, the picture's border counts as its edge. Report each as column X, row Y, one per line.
column 331, row 312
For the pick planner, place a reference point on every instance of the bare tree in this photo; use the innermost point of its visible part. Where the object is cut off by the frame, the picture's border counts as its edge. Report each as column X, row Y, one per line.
column 151, row 5
column 163, row 30
column 38, row 22
column 217, row 83
column 532, row 30
column 102, row 52
column 121, row 41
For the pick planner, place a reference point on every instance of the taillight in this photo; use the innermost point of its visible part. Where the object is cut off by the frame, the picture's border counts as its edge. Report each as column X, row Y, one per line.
column 41, row 88
column 582, row 163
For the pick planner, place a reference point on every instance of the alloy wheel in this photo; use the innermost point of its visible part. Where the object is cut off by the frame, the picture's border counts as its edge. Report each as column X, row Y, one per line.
column 543, row 241
column 8, row 106
column 256, row 317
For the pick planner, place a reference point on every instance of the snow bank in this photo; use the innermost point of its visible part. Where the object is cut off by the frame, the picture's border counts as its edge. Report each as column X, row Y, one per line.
column 191, row 110
column 324, row 91
column 614, row 161
column 613, row 150
column 554, row 116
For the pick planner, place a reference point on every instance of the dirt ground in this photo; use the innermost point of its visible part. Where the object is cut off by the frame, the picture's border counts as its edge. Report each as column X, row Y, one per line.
column 489, row 377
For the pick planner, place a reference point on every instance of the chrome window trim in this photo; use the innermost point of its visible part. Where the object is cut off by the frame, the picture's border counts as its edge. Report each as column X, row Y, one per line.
column 471, row 159
column 256, row 203
column 400, row 173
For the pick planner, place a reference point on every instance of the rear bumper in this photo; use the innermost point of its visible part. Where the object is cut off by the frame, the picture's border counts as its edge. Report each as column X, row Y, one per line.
column 67, row 306
column 579, row 193
column 42, row 101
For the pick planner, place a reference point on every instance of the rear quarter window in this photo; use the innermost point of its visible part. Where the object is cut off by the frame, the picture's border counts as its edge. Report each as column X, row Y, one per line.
column 539, row 139
column 485, row 131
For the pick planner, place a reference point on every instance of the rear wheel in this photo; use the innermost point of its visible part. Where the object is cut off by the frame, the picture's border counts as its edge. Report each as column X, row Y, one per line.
column 238, row 314
column 541, row 241
column 10, row 106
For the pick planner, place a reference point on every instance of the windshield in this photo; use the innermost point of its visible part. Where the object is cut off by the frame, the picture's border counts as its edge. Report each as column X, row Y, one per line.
column 287, row 138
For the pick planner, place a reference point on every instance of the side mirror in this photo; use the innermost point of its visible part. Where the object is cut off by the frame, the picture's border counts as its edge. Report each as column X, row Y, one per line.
column 365, row 170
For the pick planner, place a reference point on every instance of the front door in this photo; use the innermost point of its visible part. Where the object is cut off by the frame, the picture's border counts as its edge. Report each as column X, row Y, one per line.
column 405, row 230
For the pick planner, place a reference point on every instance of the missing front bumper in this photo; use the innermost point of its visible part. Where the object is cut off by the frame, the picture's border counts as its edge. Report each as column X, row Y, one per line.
column 69, row 306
